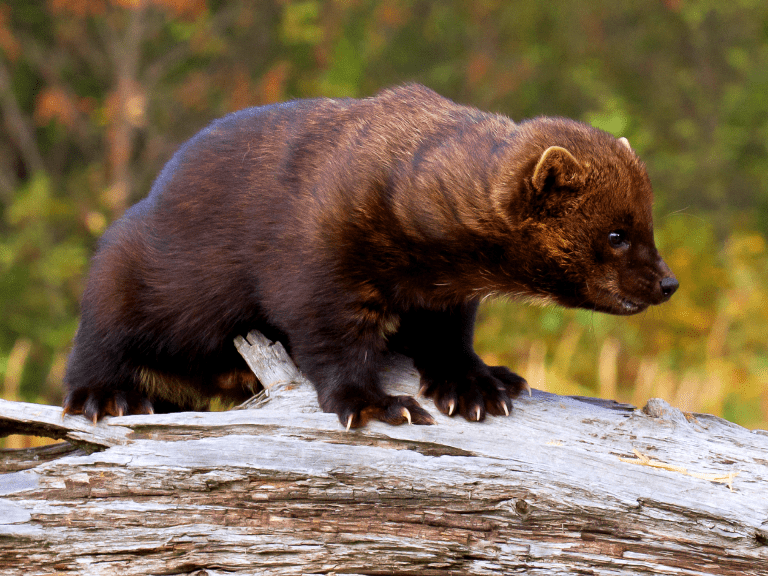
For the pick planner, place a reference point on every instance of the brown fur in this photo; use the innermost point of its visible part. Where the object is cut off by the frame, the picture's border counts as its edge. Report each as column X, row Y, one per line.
column 351, row 228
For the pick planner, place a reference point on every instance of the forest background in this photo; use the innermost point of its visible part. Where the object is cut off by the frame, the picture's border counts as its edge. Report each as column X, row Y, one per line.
column 96, row 95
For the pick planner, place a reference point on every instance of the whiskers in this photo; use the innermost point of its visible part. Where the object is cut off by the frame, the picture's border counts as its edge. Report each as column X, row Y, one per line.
column 541, row 300
column 683, row 212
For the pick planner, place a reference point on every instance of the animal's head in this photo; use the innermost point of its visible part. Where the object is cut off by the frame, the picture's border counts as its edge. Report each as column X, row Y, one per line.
column 585, row 200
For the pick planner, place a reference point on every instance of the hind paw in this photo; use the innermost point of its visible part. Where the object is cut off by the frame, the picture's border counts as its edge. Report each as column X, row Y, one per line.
column 96, row 405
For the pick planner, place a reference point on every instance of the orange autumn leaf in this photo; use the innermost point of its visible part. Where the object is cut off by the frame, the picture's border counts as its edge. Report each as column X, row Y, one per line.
column 54, row 103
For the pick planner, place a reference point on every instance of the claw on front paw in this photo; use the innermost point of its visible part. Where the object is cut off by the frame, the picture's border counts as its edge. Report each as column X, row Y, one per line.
column 479, row 391
column 512, row 383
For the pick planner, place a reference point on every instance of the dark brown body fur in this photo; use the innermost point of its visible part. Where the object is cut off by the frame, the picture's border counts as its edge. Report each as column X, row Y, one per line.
column 351, row 228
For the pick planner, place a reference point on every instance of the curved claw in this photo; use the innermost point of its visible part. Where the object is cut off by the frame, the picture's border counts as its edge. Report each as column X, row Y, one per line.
column 407, row 414
column 349, row 422
column 477, row 413
column 506, row 410
column 451, row 407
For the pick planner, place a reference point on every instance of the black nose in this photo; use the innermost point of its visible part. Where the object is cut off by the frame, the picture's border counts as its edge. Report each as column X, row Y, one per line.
column 668, row 286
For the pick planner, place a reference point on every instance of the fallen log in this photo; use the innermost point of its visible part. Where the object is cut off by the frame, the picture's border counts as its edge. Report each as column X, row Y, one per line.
column 565, row 485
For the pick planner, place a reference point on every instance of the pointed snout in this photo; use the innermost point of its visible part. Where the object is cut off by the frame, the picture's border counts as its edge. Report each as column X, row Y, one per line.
column 669, row 285
column 665, row 285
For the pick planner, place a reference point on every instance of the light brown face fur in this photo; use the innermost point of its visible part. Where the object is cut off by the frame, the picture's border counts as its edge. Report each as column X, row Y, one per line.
column 587, row 203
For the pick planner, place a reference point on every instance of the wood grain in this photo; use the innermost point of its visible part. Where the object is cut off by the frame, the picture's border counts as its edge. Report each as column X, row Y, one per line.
column 563, row 486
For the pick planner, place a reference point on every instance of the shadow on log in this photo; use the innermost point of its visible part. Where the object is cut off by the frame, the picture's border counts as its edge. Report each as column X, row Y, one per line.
column 564, row 485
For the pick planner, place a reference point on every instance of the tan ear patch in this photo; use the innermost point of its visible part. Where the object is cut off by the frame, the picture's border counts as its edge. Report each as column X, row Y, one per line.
column 625, row 142
column 558, row 162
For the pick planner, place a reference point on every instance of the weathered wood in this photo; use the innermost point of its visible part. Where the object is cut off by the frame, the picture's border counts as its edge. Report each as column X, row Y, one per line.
column 563, row 486
column 40, row 420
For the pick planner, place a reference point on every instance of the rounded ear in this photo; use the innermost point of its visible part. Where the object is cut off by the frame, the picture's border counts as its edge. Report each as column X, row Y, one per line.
column 625, row 142
column 558, row 165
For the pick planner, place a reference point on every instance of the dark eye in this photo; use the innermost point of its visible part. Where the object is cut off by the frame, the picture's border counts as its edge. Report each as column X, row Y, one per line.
column 618, row 239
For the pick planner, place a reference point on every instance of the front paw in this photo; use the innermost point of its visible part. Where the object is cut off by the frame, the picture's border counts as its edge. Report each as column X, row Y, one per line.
column 472, row 392
column 393, row 410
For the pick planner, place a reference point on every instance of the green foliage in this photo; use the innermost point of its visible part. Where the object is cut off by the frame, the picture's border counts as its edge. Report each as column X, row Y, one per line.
column 96, row 96
column 42, row 263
